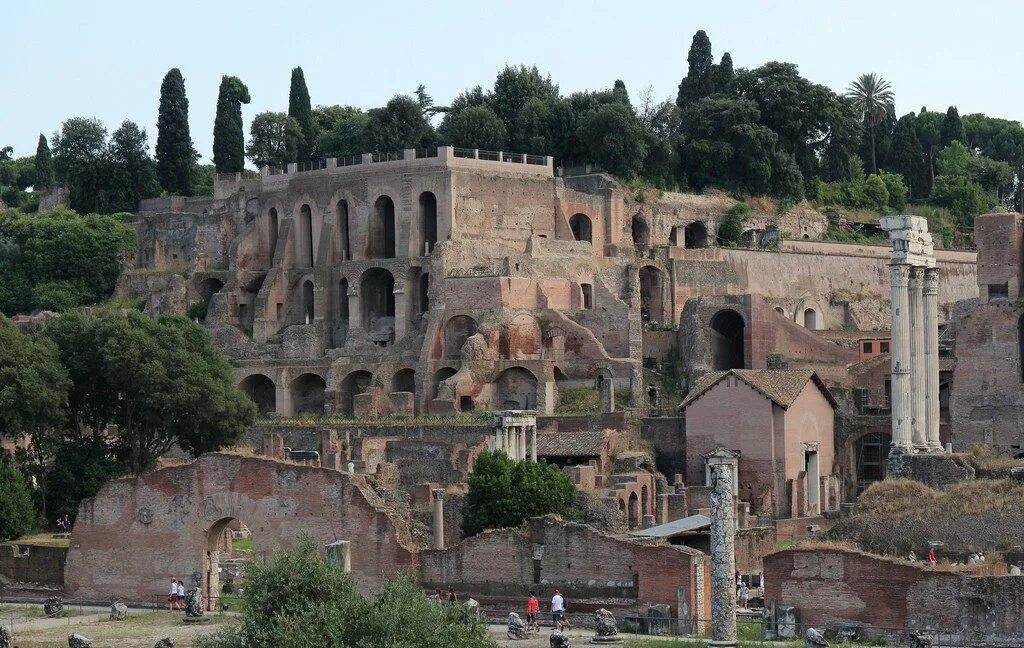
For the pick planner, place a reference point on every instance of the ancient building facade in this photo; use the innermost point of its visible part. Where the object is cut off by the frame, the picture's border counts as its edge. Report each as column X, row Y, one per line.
column 451, row 280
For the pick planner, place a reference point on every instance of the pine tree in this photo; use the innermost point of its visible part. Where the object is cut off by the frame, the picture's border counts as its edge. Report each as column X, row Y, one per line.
column 698, row 82
column 44, row 164
column 228, row 135
column 299, row 108
column 724, row 74
column 174, row 153
column 952, row 128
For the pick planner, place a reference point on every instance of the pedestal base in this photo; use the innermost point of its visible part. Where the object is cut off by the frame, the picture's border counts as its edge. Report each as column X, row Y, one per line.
column 192, row 620
column 606, row 640
column 722, row 644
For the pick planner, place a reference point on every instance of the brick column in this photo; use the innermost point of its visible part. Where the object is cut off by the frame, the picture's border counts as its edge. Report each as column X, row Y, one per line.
column 902, row 440
column 917, row 359
column 931, row 354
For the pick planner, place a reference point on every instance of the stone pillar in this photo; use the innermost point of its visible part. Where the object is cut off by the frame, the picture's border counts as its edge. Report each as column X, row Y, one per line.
column 401, row 310
column 339, row 553
column 521, row 433
column 917, row 359
column 723, row 557
column 902, row 440
column 931, row 355
column 533, row 443
column 355, row 309
column 437, row 495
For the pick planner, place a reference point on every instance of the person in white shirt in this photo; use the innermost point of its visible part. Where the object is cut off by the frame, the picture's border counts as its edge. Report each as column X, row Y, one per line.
column 181, row 595
column 558, row 612
column 172, row 596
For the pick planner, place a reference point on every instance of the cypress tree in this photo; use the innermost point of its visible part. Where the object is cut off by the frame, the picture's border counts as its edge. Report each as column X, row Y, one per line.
column 907, row 157
column 44, row 164
column 620, row 93
column 724, row 74
column 698, row 82
column 228, row 135
column 952, row 128
column 174, row 153
column 299, row 108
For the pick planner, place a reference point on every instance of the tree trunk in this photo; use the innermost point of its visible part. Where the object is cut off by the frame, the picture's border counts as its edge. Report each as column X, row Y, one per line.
column 874, row 165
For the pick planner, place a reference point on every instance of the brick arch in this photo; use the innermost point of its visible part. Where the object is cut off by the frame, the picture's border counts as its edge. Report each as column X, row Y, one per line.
column 274, row 499
column 347, row 242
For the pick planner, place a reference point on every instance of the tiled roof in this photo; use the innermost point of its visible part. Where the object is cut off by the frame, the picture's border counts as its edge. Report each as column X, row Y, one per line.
column 583, row 443
column 782, row 387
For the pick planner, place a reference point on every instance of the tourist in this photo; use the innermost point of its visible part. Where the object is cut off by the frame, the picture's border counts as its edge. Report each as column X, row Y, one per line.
column 181, row 595
column 912, row 557
column 981, row 556
column 558, row 619
column 744, row 596
column 532, row 610
column 172, row 596
column 932, row 559
column 739, row 581
column 452, row 599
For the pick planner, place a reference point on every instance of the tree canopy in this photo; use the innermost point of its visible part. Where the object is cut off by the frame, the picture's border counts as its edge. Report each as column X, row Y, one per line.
column 273, row 139
column 17, row 514
column 300, row 110
column 174, row 153
column 228, row 134
column 504, row 493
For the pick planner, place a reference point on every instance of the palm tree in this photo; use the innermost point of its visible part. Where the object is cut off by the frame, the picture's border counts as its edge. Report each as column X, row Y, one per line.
column 874, row 99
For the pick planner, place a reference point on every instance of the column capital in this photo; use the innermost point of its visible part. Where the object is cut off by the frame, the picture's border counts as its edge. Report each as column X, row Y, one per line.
column 899, row 273
column 931, row 281
column 914, row 274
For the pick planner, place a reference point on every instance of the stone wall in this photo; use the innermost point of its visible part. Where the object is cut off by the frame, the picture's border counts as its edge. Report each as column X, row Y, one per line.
column 667, row 436
column 174, row 516
column 33, row 564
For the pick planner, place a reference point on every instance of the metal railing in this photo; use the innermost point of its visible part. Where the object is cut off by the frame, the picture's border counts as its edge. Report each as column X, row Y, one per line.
column 423, row 420
column 348, row 160
column 312, row 165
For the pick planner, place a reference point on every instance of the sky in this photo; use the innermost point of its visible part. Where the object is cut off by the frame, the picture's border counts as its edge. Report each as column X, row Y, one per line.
column 106, row 59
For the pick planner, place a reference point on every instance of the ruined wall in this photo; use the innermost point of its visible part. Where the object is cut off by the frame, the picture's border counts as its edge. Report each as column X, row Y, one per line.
column 33, row 564
column 494, row 562
column 173, row 518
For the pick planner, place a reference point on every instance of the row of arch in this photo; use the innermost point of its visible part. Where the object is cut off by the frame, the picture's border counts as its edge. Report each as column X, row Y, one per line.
column 691, row 236
column 382, row 238
column 377, row 297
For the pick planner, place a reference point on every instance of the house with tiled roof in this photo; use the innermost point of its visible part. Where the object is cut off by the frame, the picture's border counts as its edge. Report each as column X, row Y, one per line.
column 779, row 426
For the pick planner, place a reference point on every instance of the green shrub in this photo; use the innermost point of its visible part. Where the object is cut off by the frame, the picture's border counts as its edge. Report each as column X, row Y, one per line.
column 16, row 512
column 730, row 229
column 876, row 196
column 578, row 400
column 897, row 190
column 197, row 311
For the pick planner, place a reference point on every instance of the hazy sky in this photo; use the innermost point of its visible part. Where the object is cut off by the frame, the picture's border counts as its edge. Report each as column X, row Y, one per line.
column 95, row 58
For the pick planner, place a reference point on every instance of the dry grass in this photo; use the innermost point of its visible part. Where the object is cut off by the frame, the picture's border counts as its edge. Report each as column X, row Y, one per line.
column 985, row 459
column 41, row 540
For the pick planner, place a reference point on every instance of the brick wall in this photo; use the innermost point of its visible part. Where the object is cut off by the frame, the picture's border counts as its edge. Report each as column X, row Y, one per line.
column 33, row 564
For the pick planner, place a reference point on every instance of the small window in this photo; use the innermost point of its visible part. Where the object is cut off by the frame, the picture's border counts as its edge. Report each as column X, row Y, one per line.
column 466, row 404
column 869, row 347
column 883, row 347
column 588, row 296
column 998, row 291
column 241, row 311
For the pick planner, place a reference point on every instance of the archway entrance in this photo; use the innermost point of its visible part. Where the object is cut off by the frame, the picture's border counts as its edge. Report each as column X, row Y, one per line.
column 696, row 235
column 428, row 223
column 456, row 332
column 727, row 329
column 581, row 228
column 811, row 319
column 377, row 288
column 262, row 391
column 442, row 374
column 382, row 229
column 641, row 235
column 651, row 294
column 354, row 384
column 308, row 394
column 517, row 389
column 872, row 458
column 229, row 547
column 634, row 511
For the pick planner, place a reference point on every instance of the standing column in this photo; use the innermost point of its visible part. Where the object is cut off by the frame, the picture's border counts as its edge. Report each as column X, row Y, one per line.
column 401, row 310
column 902, row 442
column 723, row 557
column 917, row 359
column 355, row 309
column 437, row 494
column 931, row 355
column 521, row 431
column 533, row 443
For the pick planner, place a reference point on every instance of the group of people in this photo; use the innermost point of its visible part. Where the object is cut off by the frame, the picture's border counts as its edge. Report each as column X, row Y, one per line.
column 64, row 524
column 558, row 619
column 176, row 597
column 931, row 557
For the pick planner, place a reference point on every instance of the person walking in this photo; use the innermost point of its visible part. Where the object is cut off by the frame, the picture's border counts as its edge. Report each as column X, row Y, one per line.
column 932, row 558
column 532, row 611
column 181, row 595
column 452, row 599
column 744, row 596
column 172, row 596
column 558, row 619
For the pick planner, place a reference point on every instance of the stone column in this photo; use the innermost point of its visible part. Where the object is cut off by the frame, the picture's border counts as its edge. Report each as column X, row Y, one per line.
column 437, row 494
column 355, row 309
column 931, row 355
column 401, row 310
column 521, row 432
column 533, row 443
column 917, row 359
column 902, row 441
column 723, row 557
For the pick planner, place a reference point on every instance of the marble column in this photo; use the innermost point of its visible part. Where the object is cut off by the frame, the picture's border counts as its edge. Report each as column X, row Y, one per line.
column 533, row 443
column 902, row 441
column 931, row 355
column 917, row 360
column 401, row 310
column 437, row 494
column 522, row 443
column 355, row 309
column 723, row 557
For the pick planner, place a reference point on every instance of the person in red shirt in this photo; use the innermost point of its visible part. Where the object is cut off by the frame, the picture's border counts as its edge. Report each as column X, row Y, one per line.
column 931, row 555
column 532, row 610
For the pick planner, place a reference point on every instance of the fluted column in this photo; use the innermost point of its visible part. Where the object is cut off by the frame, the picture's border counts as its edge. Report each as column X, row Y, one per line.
column 902, row 441
column 931, row 354
column 917, row 359
column 723, row 557
column 522, row 443
column 533, row 443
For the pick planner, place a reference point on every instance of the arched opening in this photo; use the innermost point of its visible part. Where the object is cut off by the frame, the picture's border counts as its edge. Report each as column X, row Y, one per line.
column 382, row 229
column 262, row 391
column 344, row 242
column 424, row 301
column 516, row 389
column 304, row 255
column 354, row 384
column 622, row 510
column 428, row 222
column 307, row 301
column 442, row 374
column 377, row 291
column 208, row 288
column 634, row 511
column 727, row 328
column 272, row 228
column 696, row 235
column 588, row 295
column 651, row 294
column 229, row 545
column 581, row 227
column 872, row 458
column 404, row 380
column 645, row 501
column 308, row 394
column 466, row 404
column 811, row 319
column 641, row 234
column 1020, row 344
column 456, row 332
column 780, row 310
